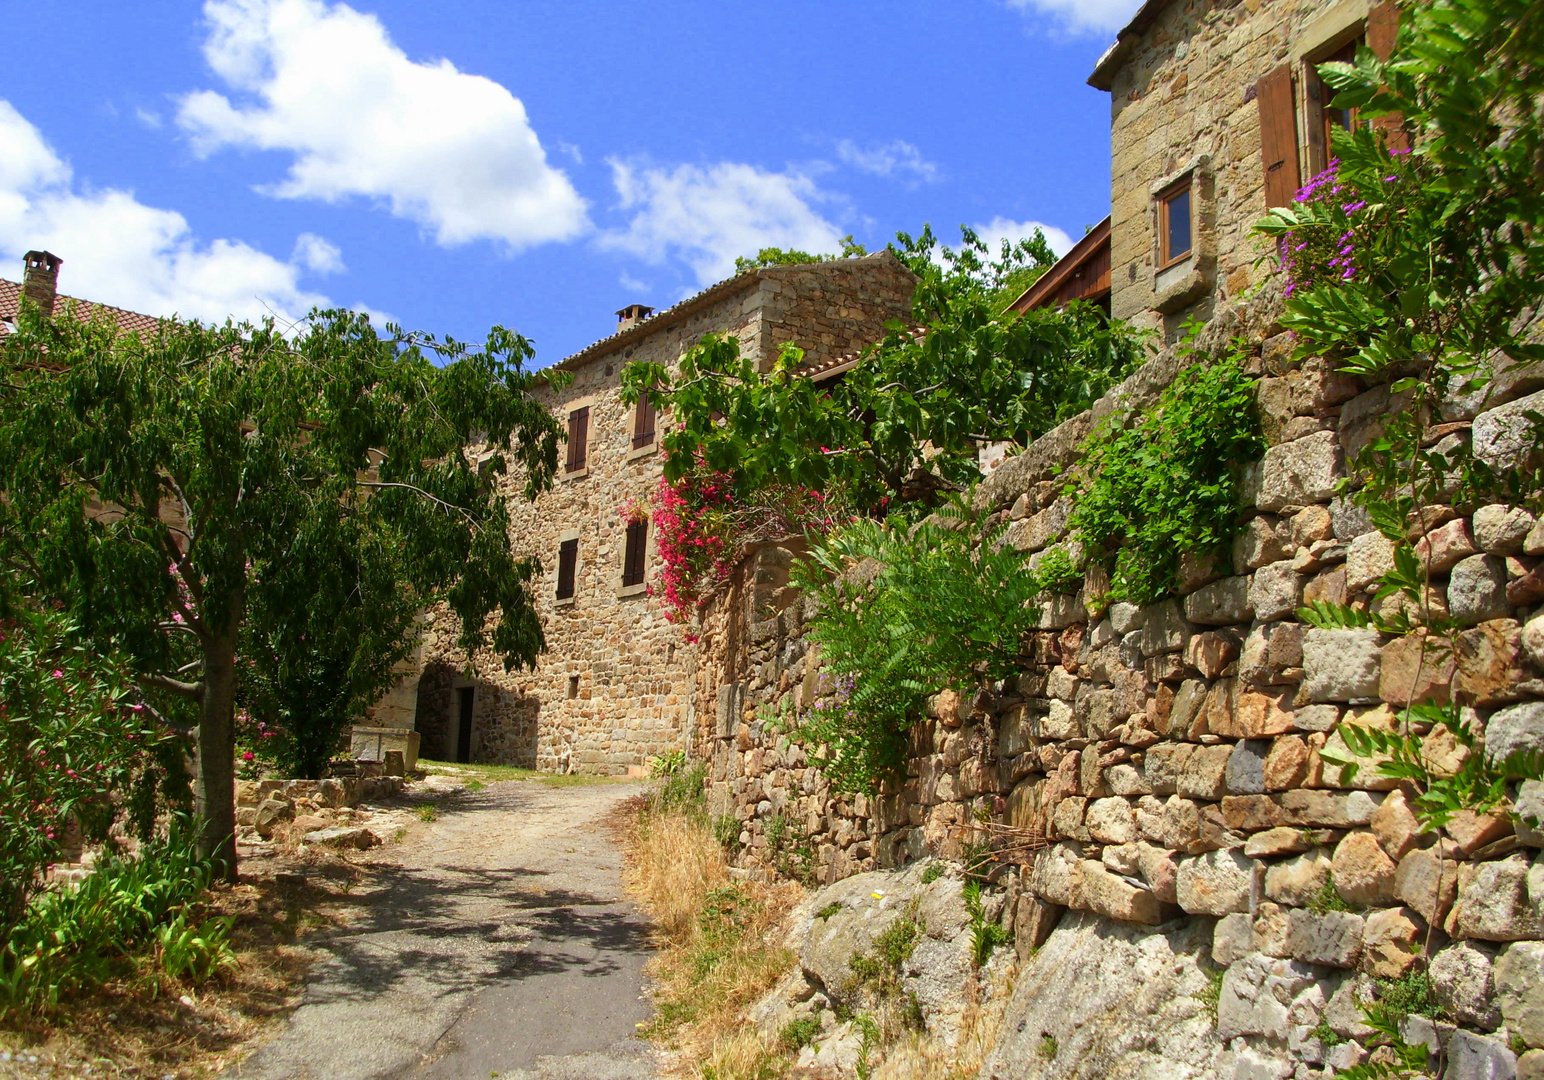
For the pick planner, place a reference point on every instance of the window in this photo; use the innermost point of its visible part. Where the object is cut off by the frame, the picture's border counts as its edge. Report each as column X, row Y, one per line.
column 1330, row 117
column 573, row 687
column 643, row 422
column 632, row 558
column 578, row 439
column 568, row 560
column 1174, row 225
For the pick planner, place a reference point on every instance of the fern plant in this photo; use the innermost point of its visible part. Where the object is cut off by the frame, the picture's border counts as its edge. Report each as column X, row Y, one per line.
column 903, row 613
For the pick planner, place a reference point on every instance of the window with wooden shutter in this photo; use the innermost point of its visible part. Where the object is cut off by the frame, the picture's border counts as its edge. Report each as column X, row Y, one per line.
column 578, row 439
column 643, row 422
column 568, row 563
column 633, row 552
column 1174, row 225
column 1278, row 136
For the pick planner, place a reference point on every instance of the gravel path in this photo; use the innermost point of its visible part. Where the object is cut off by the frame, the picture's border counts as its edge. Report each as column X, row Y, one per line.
column 501, row 946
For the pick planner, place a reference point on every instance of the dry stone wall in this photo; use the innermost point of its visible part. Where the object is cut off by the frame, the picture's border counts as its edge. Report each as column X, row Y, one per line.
column 1172, row 757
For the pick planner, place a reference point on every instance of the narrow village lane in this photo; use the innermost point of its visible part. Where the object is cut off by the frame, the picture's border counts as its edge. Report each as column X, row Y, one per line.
column 502, row 946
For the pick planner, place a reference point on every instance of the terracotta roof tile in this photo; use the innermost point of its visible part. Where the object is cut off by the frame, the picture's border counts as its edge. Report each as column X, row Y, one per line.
column 131, row 322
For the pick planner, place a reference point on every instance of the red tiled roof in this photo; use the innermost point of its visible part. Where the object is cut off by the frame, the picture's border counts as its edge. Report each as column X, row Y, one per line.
column 131, row 322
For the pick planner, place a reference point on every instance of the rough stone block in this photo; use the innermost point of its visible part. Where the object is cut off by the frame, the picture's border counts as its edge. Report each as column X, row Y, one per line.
column 1519, row 728
column 1503, row 437
column 1262, row 541
column 1276, row 842
column 1477, row 590
column 1297, row 881
column 1258, row 994
column 1414, row 669
column 1164, row 629
column 1519, row 975
column 1493, row 904
column 1245, row 774
column 1232, row 938
column 1116, row 898
column 1391, row 942
column 1212, row 652
column 1256, row 715
column 1270, row 650
column 1341, row 665
column 1501, row 530
column 1462, row 980
column 1445, row 546
column 1216, row 883
column 1276, row 591
column 1395, row 826
column 1204, row 775
column 1428, row 882
column 1330, row 809
column 1364, row 874
column 1333, row 939
column 1287, row 763
column 1111, row 821
column 1299, row 472
column 1370, row 556
column 1221, row 603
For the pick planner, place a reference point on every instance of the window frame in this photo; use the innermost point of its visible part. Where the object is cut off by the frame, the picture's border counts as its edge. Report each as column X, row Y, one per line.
column 644, row 410
column 577, row 459
column 635, row 554
column 568, row 553
column 1186, row 187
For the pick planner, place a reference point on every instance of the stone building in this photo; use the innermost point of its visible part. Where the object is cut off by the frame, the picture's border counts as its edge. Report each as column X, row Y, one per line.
column 40, row 284
column 1216, row 113
column 614, row 686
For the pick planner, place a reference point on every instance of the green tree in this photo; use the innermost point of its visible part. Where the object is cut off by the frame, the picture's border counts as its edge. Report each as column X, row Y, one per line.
column 774, row 256
column 188, row 493
column 907, row 422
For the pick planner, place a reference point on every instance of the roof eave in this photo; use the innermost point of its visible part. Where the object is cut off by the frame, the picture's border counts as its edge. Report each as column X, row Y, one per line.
column 1114, row 58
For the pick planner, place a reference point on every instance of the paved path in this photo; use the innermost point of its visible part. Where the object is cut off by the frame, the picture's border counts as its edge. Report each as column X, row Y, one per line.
column 501, row 946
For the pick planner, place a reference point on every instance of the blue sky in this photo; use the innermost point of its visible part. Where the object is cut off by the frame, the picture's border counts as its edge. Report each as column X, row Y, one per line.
column 535, row 163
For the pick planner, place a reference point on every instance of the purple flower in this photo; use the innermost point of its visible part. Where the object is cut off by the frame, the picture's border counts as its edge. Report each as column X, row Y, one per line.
column 1352, row 208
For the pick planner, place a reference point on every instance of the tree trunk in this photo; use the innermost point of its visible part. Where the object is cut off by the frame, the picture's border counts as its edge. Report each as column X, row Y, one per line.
column 216, row 790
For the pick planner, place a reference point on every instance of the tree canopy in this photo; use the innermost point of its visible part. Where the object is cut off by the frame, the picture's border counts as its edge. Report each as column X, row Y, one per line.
column 243, row 510
column 908, row 420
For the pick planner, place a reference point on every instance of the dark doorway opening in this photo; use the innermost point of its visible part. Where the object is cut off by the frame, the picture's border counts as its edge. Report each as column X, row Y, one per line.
column 464, row 724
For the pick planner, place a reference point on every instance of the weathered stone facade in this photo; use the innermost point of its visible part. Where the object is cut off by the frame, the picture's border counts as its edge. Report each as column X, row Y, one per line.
column 1185, row 104
column 614, row 687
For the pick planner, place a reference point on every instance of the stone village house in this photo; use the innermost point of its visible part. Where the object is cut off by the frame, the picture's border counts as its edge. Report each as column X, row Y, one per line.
column 614, row 687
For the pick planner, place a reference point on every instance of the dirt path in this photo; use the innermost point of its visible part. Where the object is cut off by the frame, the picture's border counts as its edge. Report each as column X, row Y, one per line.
column 501, row 946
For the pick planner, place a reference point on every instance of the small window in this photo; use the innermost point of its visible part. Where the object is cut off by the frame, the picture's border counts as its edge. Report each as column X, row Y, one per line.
column 573, row 687
column 643, row 422
column 568, row 560
column 632, row 559
column 1333, row 118
column 578, row 439
column 1174, row 225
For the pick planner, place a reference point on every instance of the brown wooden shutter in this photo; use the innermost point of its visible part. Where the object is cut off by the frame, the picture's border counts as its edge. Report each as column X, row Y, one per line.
column 568, row 560
column 632, row 559
column 578, row 436
column 643, row 421
column 1382, row 36
column 1278, row 136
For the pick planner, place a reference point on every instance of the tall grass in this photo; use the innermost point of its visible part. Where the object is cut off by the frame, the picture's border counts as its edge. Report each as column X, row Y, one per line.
column 720, row 942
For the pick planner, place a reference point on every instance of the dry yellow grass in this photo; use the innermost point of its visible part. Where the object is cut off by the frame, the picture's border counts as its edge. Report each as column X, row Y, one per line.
column 923, row 1057
column 720, row 946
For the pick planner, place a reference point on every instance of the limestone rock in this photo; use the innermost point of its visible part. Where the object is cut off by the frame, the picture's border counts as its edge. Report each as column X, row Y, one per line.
column 1462, row 979
column 1245, row 773
column 1519, row 975
column 1364, row 874
column 1262, row 541
column 1533, row 640
column 1428, row 882
column 1370, row 556
column 1445, row 546
column 1086, row 983
column 1531, row 1065
column 1273, row 843
column 1299, row 472
column 1216, row 883
column 270, row 813
column 1111, row 821
column 1413, row 669
column 1477, row 590
column 1501, row 530
column 1033, row 923
column 1493, row 904
column 1287, row 764
column 1528, row 811
column 1258, row 994
column 1514, row 729
column 1395, row 826
column 1204, row 774
column 1341, row 665
column 1221, row 603
column 1333, row 939
column 1332, row 809
column 1503, row 437
column 1233, row 938
column 344, row 836
column 1212, row 652
column 1164, row 629
column 1276, row 591
column 1390, row 942
column 1114, row 897
column 1272, row 649
column 1296, row 882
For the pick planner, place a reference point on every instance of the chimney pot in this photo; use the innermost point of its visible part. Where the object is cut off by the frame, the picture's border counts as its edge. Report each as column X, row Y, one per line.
column 631, row 316
column 40, row 279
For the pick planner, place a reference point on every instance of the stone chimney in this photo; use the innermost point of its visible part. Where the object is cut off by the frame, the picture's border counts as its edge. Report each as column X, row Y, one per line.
column 40, row 280
column 628, row 317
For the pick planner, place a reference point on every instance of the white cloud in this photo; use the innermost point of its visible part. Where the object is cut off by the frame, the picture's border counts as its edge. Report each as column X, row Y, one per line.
column 317, row 254
column 121, row 252
column 1083, row 16
column 887, row 159
column 451, row 151
column 994, row 232
column 707, row 216
column 632, row 284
